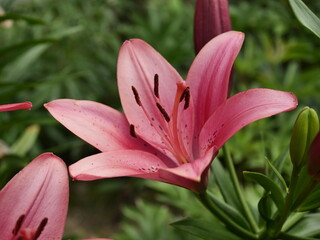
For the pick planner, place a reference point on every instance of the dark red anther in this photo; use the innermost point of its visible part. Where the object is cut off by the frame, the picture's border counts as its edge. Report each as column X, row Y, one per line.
column 40, row 228
column 156, row 85
column 163, row 112
column 183, row 95
column 132, row 131
column 18, row 225
column 186, row 98
column 136, row 95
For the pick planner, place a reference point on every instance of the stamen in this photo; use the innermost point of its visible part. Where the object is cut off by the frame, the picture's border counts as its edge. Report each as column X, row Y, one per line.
column 136, row 95
column 186, row 98
column 18, row 225
column 183, row 95
column 156, row 85
column 163, row 112
column 132, row 131
column 40, row 228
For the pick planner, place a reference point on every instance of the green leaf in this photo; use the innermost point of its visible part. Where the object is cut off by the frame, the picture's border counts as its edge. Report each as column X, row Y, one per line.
column 277, row 175
column 306, row 16
column 30, row 20
column 225, row 185
column 19, row 67
column 26, row 141
column 265, row 207
column 285, row 236
column 231, row 212
column 206, row 230
column 312, row 201
column 269, row 185
column 307, row 227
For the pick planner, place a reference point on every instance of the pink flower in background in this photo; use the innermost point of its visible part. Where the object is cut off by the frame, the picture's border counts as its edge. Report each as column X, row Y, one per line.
column 34, row 203
column 15, row 106
column 211, row 19
column 172, row 129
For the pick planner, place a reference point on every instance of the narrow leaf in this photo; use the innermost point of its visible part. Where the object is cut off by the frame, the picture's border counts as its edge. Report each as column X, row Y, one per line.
column 277, row 175
column 307, row 227
column 225, row 185
column 306, row 16
column 30, row 20
column 231, row 212
column 26, row 141
column 205, row 229
column 269, row 185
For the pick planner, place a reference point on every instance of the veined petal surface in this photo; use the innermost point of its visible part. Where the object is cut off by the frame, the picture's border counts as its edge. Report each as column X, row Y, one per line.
column 209, row 74
column 103, row 127
column 117, row 164
column 40, row 190
column 138, row 64
column 240, row 110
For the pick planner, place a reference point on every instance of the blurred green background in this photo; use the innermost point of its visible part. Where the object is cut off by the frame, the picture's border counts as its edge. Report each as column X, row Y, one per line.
column 53, row 49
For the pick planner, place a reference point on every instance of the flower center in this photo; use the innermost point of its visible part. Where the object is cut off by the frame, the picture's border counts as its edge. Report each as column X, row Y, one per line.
column 169, row 130
column 27, row 233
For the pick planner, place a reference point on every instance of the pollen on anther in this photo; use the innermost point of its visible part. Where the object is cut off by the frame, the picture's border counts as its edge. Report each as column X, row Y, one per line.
column 183, row 95
column 156, row 85
column 132, row 131
column 163, row 112
column 40, row 228
column 186, row 98
column 18, row 225
column 136, row 95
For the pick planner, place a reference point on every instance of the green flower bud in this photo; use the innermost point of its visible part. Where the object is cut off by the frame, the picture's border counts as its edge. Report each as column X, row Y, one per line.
column 304, row 131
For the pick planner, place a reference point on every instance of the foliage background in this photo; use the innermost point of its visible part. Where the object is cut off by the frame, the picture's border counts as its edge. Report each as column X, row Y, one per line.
column 69, row 50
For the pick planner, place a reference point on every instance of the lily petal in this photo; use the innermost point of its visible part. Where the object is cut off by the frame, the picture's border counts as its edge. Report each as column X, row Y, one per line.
column 15, row 106
column 209, row 74
column 193, row 176
column 39, row 191
column 240, row 110
column 103, row 127
column 138, row 64
column 117, row 164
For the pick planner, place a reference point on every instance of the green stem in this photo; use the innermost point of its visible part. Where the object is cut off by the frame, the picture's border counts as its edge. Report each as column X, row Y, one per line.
column 283, row 215
column 236, row 185
column 215, row 210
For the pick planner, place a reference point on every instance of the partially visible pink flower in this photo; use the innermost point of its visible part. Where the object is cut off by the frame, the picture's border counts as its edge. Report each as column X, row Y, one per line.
column 15, row 106
column 34, row 203
column 314, row 158
column 172, row 129
column 211, row 19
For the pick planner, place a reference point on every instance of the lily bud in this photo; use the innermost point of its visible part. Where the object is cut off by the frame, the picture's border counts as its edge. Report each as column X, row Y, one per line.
column 305, row 129
column 314, row 158
column 211, row 19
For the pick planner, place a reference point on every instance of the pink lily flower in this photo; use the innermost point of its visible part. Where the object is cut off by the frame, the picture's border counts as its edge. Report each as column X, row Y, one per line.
column 172, row 129
column 211, row 19
column 15, row 106
column 34, row 203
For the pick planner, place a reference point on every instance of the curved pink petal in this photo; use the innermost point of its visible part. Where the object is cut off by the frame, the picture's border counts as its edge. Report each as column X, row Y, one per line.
column 209, row 73
column 240, row 110
column 15, row 106
column 117, row 164
column 103, row 127
column 39, row 191
column 138, row 63
column 193, row 176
